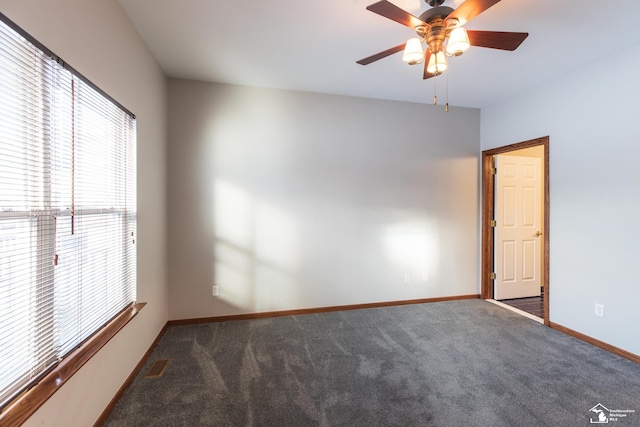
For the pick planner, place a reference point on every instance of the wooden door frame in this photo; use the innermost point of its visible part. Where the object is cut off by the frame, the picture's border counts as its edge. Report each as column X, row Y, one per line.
column 488, row 195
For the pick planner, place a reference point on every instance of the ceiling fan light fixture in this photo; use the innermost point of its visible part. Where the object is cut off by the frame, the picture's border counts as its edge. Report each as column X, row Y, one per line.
column 413, row 53
column 458, row 42
column 437, row 63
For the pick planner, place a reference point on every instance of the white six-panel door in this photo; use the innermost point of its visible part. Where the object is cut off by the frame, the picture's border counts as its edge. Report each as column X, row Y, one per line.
column 518, row 227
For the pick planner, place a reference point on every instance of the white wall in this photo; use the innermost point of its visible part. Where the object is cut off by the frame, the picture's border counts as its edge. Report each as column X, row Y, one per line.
column 97, row 39
column 591, row 117
column 293, row 200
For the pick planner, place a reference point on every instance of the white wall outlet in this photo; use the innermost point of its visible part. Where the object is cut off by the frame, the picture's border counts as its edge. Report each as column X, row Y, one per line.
column 215, row 290
column 425, row 277
column 599, row 310
column 407, row 278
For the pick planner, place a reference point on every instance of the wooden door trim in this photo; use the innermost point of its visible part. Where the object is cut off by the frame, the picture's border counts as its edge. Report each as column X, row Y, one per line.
column 488, row 211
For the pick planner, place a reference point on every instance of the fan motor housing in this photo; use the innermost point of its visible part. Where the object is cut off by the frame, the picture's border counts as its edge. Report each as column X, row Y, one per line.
column 437, row 32
column 434, row 13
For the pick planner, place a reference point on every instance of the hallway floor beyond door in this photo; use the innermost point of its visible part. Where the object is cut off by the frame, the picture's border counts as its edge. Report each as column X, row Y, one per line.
column 532, row 305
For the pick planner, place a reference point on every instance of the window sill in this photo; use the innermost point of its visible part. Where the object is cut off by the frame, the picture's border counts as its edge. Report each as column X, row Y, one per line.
column 27, row 403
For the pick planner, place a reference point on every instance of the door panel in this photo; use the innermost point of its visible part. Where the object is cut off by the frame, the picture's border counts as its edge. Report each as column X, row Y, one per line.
column 529, row 207
column 509, row 261
column 528, row 260
column 518, row 189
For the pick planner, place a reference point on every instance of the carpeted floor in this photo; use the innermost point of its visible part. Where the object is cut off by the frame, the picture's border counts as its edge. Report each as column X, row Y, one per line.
column 462, row 363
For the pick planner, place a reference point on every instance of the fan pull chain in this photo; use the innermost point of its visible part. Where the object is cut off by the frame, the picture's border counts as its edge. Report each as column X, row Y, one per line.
column 435, row 90
column 446, row 106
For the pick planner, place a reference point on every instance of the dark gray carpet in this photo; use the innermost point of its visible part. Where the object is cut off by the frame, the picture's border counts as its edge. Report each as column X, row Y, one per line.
column 462, row 363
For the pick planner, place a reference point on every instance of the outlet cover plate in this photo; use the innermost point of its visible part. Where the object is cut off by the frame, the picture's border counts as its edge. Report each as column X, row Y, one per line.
column 599, row 310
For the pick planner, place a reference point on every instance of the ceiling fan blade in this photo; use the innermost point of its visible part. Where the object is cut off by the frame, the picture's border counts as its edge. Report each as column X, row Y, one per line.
column 426, row 74
column 470, row 9
column 393, row 12
column 380, row 55
column 496, row 39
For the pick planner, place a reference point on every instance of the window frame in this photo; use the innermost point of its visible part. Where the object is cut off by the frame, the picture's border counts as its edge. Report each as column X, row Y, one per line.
column 18, row 410
column 36, row 392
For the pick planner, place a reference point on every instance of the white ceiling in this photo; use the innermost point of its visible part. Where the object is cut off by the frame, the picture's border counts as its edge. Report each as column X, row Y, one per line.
column 314, row 45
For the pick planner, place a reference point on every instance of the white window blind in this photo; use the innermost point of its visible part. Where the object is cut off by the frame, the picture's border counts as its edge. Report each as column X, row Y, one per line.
column 67, row 210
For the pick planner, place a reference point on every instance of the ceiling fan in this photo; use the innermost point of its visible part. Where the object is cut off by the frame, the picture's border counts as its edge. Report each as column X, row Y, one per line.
column 441, row 30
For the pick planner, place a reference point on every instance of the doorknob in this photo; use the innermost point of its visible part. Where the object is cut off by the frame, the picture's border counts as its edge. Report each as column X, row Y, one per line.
column 538, row 234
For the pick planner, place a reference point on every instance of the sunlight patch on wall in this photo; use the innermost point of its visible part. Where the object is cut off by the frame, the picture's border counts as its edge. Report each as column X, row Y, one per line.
column 412, row 247
column 256, row 250
column 276, row 236
column 234, row 274
column 233, row 214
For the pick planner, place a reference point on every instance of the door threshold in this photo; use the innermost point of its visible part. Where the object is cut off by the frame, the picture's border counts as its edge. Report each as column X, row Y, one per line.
column 516, row 310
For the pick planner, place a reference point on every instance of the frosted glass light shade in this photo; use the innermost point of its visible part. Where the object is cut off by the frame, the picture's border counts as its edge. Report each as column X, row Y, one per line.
column 458, row 42
column 437, row 63
column 413, row 53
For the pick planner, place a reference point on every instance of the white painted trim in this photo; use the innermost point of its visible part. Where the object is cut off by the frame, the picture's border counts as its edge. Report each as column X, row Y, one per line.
column 515, row 310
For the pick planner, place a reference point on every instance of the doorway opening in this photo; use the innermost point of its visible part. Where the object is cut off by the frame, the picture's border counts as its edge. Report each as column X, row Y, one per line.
column 489, row 224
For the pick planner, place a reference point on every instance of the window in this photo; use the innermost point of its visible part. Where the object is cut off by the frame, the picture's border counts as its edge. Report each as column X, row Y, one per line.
column 67, row 210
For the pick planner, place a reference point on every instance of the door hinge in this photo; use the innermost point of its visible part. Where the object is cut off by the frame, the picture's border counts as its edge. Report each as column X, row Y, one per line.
column 493, row 171
column 493, row 223
column 493, row 276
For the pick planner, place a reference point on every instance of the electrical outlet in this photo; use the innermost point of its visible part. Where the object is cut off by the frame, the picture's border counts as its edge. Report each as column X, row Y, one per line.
column 215, row 290
column 425, row 277
column 599, row 310
column 407, row 278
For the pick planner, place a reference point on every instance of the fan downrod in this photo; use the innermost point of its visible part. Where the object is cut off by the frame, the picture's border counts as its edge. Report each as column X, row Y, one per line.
column 434, row 3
